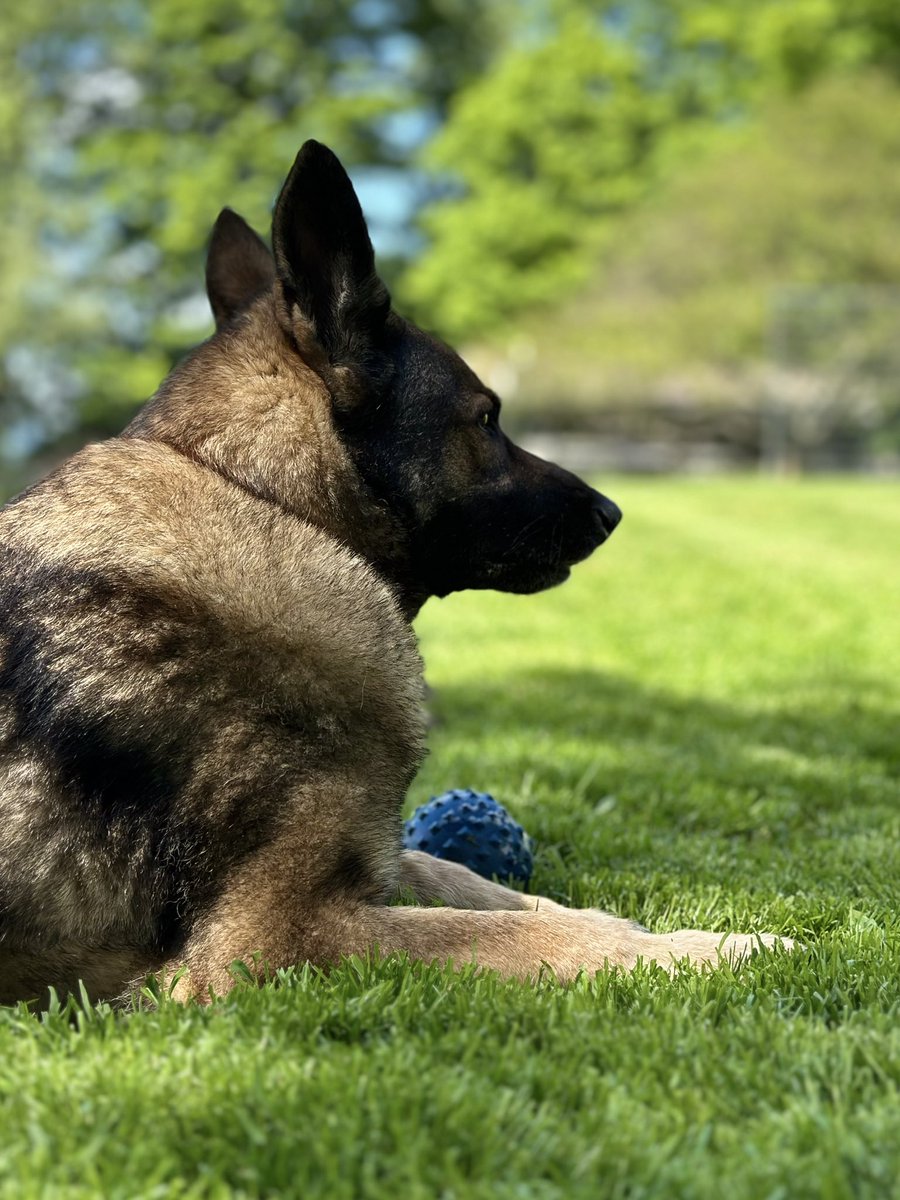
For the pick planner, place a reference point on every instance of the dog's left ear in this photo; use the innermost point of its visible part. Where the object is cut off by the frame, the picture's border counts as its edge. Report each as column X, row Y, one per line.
column 238, row 267
column 325, row 261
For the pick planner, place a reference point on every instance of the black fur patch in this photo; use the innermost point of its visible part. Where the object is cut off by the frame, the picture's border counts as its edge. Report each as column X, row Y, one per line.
column 351, row 876
column 117, row 767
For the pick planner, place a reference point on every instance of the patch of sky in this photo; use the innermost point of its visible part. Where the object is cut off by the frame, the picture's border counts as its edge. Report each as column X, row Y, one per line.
column 390, row 197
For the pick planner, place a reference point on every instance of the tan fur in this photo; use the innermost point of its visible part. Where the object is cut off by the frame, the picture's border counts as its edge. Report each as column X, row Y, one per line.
column 207, row 600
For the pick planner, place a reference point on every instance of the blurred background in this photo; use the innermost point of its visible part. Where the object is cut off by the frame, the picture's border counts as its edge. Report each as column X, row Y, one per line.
column 666, row 231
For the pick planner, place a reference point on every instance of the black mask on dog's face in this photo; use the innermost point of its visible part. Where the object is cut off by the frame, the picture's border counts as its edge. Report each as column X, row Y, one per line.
column 481, row 512
column 423, row 431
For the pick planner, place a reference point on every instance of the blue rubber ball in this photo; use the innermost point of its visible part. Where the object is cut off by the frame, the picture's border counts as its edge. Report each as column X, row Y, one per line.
column 473, row 829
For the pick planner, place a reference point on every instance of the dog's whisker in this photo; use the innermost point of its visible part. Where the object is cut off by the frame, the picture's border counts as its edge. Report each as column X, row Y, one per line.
column 523, row 532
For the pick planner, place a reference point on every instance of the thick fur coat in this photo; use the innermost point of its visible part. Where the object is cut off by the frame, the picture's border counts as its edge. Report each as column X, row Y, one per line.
column 209, row 684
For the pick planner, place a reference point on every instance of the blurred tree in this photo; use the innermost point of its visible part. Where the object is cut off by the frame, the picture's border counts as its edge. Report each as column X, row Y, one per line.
column 684, row 301
column 546, row 146
column 131, row 123
column 126, row 124
column 574, row 126
column 33, row 314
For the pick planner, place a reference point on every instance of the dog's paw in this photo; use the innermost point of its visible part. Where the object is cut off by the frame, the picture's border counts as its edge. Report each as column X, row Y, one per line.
column 701, row 949
column 593, row 940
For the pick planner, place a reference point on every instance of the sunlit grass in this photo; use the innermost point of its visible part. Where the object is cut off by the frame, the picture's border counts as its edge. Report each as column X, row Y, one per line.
column 701, row 728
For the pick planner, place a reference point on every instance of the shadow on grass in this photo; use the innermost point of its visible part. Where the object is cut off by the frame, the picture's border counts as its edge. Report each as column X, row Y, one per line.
column 640, row 798
column 813, row 739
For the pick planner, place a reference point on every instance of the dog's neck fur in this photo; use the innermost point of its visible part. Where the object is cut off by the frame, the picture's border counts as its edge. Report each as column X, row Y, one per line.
column 246, row 405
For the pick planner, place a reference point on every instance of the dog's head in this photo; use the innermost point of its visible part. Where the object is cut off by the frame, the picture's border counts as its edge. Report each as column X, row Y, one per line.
column 423, row 431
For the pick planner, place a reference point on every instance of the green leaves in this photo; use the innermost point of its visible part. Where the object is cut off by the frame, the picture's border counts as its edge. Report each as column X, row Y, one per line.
column 553, row 152
column 124, row 128
column 545, row 148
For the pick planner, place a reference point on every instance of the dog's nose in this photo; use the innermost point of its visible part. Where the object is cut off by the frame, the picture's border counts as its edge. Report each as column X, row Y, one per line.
column 606, row 514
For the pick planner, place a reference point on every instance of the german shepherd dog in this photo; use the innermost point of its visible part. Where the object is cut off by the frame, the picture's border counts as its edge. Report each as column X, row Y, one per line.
column 210, row 695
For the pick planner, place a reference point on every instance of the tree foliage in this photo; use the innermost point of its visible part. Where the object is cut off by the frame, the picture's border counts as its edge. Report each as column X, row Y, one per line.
column 548, row 128
column 547, row 146
column 145, row 117
column 808, row 195
column 570, row 131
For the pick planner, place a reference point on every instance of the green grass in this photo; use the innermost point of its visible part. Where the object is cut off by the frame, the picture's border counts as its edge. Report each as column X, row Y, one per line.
column 700, row 728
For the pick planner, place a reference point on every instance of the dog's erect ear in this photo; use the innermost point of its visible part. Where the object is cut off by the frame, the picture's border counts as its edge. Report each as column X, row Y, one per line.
column 324, row 258
column 238, row 267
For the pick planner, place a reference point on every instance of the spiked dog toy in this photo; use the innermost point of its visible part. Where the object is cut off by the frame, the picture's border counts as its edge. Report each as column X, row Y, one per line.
column 472, row 828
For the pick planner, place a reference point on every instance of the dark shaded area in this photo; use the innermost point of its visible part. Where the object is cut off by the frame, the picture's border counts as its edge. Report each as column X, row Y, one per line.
column 563, row 701
column 790, row 751
column 639, row 798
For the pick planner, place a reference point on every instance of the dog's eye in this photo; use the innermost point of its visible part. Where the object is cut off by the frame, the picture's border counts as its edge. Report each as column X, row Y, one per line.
column 489, row 418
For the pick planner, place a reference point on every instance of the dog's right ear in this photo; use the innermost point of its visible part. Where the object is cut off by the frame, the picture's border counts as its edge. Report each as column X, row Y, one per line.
column 238, row 267
column 335, row 305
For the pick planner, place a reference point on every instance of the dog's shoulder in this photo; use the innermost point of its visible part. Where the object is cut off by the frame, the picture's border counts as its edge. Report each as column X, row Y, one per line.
column 132, row 544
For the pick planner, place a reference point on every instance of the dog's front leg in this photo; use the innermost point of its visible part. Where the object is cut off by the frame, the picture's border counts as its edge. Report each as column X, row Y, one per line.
column 265, row 921
column 429, row 879
column 518, row 944
column 522, row 944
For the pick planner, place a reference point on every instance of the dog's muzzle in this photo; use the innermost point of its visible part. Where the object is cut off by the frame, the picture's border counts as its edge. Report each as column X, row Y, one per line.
column 606, row 516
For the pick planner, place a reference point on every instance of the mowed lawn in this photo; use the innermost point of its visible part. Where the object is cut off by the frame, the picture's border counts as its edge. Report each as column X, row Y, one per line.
column 701, row 728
